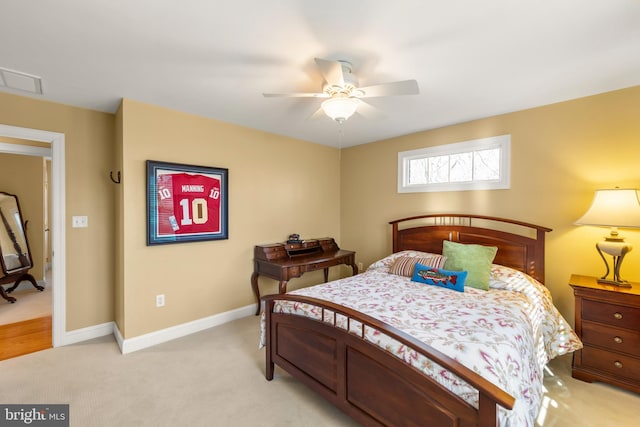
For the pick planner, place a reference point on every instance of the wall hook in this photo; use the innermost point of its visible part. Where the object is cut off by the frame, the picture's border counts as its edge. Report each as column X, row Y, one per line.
column 118, row 181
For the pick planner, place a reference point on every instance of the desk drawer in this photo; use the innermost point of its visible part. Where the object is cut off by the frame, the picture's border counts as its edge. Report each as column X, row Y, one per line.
column 618, row 340
column 613, row 363
column 611, row 314
column 320, row 265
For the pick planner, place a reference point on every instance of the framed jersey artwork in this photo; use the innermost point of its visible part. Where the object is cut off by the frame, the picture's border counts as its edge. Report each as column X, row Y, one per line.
column 186, row 203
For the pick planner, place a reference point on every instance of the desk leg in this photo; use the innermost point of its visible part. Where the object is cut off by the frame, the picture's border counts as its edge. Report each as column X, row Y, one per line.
column 326, row 275
column 256, row 290
column 354, row 268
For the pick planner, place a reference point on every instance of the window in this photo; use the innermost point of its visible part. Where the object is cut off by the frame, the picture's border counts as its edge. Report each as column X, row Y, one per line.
column 480, row 164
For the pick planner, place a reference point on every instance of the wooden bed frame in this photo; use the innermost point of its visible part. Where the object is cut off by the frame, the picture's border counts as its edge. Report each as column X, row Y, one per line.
column 373, row 386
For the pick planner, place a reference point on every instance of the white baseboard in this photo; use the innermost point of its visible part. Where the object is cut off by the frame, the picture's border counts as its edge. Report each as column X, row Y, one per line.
column 88, row 333
column 148, row 340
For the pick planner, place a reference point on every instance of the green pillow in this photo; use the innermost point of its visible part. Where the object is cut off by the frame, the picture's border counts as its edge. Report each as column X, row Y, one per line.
column 476, row 259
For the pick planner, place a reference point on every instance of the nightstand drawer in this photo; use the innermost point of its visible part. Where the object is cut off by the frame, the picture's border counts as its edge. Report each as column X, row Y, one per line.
column 617, row 364
column 611, row 314
column 619, row 340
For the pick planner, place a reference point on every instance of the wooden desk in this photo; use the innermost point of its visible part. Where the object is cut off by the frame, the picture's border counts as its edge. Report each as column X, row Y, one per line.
column 285, row 261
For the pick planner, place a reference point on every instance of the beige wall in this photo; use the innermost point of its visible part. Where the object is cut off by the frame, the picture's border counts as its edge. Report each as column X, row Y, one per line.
column 277, row 186
column 560, row 154
column 89, row 156
column 24, row 177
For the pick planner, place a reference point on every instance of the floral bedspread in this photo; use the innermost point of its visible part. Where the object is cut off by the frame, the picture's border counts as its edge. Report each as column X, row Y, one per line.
column 506, row 334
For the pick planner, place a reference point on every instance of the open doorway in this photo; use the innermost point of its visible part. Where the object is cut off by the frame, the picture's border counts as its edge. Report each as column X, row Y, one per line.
column 53, row 149
column 26, row 307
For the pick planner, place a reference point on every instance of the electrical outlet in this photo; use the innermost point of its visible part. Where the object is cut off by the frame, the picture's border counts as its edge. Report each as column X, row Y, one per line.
column 360, row 267
column 160, row 300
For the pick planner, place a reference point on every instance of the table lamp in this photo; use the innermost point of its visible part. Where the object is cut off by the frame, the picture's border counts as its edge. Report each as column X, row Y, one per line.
column 618, row 207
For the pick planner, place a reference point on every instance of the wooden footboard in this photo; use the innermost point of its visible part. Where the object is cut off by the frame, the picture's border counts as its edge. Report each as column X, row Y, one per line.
column 368, row 383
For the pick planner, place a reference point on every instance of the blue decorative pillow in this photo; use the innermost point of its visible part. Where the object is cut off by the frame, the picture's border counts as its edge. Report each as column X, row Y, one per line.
column 438, row 277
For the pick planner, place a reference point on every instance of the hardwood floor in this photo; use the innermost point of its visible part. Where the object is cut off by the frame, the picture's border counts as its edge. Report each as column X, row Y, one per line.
column 25, row 326
column 25, row 337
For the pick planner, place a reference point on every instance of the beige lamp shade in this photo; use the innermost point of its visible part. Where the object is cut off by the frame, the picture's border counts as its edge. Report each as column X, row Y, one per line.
column 617, row 207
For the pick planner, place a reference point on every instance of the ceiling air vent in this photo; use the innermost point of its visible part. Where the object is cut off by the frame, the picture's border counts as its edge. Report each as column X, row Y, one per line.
column 20, row 81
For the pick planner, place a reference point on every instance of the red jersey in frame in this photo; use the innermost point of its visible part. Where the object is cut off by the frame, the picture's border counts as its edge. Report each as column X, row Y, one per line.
column 188, row 204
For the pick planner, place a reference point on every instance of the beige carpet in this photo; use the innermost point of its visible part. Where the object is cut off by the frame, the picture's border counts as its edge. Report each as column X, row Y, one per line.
column 216, row 378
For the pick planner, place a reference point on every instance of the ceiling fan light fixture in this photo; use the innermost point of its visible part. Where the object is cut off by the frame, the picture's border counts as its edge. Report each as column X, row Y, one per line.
column 340, row 88
column 340, row 108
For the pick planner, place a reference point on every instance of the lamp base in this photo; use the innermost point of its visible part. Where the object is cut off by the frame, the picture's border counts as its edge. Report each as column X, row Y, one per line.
column 617, row 249
column 620, row 284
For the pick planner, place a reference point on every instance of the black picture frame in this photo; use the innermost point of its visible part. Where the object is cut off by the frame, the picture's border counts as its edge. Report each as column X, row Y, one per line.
column 186, row 203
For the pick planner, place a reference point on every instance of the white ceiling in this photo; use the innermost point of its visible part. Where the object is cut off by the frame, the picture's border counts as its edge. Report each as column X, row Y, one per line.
column 471, row 58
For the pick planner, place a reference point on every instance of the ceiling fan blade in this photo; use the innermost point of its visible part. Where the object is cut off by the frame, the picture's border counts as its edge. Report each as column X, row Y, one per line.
column 405, row 87
column 331, row 71
column 317, row 114
column 295, row 95
column 368, row 111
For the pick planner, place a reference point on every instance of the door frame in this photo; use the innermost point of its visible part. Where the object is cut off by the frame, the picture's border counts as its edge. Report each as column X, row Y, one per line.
column 57, row 226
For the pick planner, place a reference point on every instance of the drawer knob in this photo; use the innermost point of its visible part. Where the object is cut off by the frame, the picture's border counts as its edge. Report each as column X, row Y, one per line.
column 617, row 364
column 617, row 340
column 617, row 315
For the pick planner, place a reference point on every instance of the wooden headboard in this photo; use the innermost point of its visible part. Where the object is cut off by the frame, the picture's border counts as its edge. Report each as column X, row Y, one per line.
column 520, row 244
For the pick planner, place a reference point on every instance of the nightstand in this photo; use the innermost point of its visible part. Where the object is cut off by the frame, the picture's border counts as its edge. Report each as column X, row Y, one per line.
column 607, row 320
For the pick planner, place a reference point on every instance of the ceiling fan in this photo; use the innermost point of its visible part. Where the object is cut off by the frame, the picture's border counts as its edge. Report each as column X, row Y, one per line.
column 344, row 95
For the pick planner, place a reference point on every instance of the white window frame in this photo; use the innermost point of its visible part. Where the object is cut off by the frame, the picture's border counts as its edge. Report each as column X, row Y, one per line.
column 503, row 142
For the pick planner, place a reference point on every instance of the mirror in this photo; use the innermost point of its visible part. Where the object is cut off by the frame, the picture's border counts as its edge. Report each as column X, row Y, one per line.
column 15, row 257
column 13, row 241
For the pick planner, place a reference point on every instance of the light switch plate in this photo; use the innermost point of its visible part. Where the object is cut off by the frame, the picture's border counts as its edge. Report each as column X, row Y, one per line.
column 80, row 221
